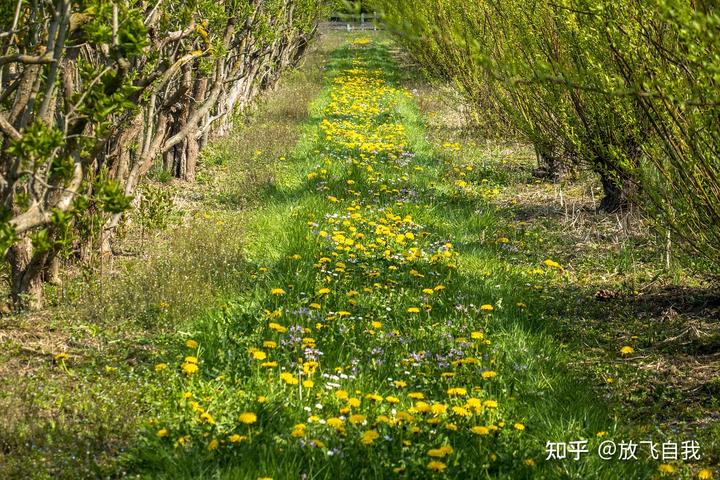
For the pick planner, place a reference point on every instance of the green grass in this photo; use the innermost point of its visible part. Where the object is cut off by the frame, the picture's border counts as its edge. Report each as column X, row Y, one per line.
column 252, row 225
column 533, row 387
column 75, row 418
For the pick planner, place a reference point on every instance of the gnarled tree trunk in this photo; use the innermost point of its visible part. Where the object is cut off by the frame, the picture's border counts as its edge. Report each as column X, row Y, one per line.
column 26, row 275
column 619, row 190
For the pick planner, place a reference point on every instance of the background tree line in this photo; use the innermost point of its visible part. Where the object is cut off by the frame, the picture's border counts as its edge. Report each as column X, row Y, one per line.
column 629, row 89
column 93, row 93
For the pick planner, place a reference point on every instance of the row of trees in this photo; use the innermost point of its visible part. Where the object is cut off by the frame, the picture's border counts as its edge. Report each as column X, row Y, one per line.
column 94, row 92
column 630, row 88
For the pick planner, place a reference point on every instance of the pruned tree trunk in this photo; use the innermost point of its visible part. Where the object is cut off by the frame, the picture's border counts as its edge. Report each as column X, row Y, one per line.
column 192, row 151
column 52, row 270
column 25, row 275
column 618, row 190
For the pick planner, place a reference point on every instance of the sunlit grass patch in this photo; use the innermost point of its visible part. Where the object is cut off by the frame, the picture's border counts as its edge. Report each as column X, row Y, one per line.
column 383, row 333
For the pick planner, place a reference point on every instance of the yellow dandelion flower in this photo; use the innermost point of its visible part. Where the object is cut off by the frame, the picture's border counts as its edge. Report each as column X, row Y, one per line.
column 438, row 408
column 405, row 417
column 357, row 418
column 486, row 308
column 627, row 350
column 277, row 291
column 310, row 367
column 375, row 397
column 247, row 418
column 552, row 264
column 489, row 374
column 480, row 430
column 191, row 344
column 160, row 367
column 461, row 411
column 189, row 368
column 436, row 466
column 369, row 437
column 277, row 327
column 457, row 391
column 335, row 423
column 441, row 452
column 235, row 438
column 162, row 433
column 705, row 474
column 289, row 378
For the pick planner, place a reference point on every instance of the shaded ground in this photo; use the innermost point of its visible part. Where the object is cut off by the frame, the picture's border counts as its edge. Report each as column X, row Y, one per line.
column 618, row 290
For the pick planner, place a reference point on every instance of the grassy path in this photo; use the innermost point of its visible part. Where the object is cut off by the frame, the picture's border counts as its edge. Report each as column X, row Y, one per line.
column 380, row 339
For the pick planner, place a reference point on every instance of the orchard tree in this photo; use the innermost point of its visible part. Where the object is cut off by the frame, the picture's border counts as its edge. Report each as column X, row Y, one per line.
column 92, row 92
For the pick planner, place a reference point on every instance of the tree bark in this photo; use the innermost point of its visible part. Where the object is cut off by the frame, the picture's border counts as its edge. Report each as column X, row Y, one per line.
column 192, row 152
column 618, row 191
column 26, row 275
column 52, row 270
